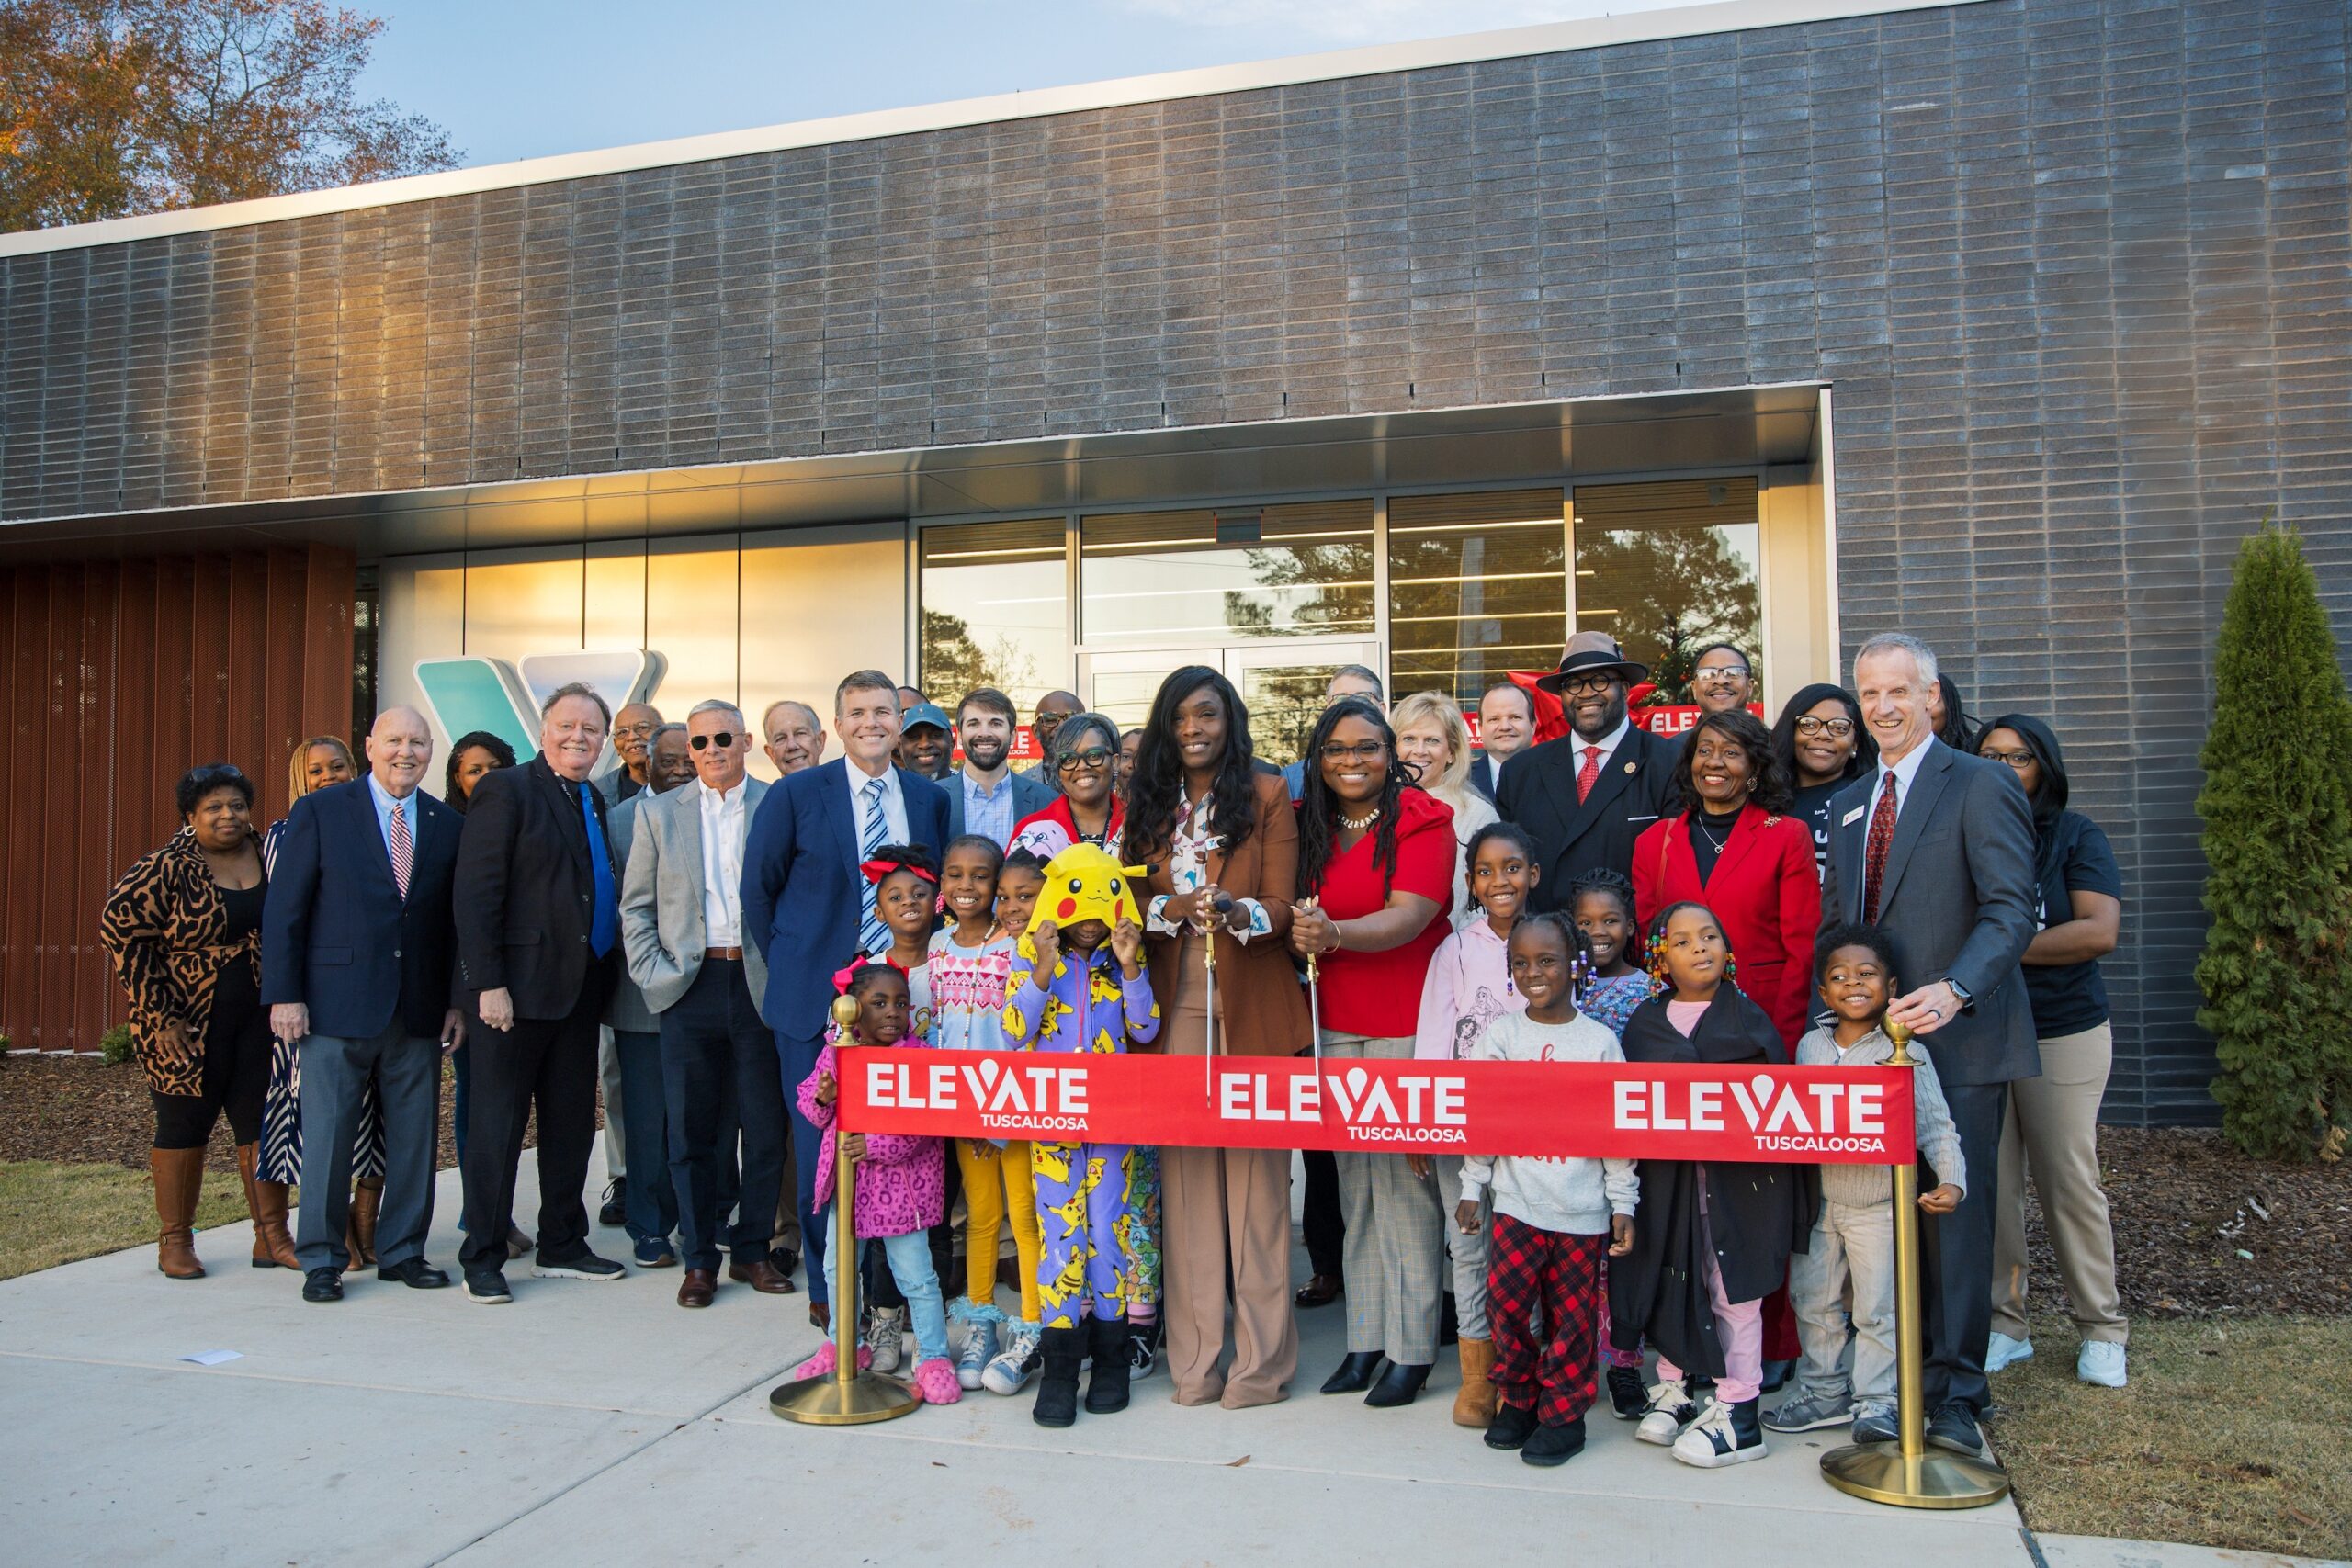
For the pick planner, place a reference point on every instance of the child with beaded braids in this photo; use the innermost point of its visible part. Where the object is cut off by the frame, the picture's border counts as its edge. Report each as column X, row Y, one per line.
column 1554, row 1219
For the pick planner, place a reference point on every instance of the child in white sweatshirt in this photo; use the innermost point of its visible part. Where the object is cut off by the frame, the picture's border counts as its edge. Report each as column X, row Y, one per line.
column 1553, row 1218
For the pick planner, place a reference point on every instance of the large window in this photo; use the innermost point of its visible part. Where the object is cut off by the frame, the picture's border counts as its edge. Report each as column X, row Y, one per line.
column 1302, row 570
column 995, row 609
column 1478, row 587
column 1667, row 568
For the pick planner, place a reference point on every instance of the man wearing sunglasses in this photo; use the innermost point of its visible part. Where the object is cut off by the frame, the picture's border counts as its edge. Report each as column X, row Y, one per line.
column 682, row 928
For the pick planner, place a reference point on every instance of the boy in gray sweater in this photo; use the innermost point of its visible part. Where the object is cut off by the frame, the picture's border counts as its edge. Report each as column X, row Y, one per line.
column 1853, row 1240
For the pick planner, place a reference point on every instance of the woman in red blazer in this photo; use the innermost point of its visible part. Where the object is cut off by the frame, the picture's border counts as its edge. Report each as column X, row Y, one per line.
column 1738, row 850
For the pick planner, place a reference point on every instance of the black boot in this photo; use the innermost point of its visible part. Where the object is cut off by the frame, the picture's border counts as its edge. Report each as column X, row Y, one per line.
column 1354, row 1374
column 1397, row 1385
column 1776, row 1376
column 1106, row 1386
column 1063, row 1349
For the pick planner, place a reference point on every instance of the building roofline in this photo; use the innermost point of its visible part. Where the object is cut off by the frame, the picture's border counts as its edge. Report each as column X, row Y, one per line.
column 1554, row 38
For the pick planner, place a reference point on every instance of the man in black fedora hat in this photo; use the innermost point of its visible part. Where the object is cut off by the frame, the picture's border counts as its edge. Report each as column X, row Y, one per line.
column 1585, row 797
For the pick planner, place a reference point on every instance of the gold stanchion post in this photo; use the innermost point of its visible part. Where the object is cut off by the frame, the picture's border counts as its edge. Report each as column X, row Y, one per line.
column 1905, row 1473
column 847, row 1396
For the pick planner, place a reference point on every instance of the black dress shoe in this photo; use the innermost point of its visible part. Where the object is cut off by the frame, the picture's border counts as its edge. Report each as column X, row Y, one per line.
column 1397, row 1385
column 1512, row 1426
column 322, row 1285
column 616, row 1208
column 786, row 1261
column 1954, row 1426
column 1322, row 1290
column 1354, row 1374
column 415, row 1273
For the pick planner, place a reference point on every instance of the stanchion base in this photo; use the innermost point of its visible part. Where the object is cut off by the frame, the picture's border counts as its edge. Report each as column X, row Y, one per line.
column 1880, row 1473
column 828, row 1402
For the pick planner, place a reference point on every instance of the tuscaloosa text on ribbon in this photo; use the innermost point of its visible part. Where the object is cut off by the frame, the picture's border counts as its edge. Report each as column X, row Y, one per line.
column 1780, row 1115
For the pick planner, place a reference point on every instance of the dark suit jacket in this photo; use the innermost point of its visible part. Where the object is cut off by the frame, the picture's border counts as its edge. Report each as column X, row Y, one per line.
column 1538, row 791
column 801, row 884
column 1957, row 901
column 524, row 892
column 337, row 936
column 1482, row 775
column 1029, row 795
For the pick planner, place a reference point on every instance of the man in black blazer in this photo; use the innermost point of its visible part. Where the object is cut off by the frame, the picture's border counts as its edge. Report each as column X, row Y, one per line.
column 1585, row 797
column 356, row 949
column 1506, row 728
column 538, row 941
column 1936, row 847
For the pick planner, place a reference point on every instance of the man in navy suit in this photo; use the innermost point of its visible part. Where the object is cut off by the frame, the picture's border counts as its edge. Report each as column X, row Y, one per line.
column 809, row 907
column 357, row 948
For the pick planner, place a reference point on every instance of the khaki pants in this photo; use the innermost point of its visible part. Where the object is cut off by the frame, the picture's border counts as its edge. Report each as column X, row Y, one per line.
column 2052, row 1134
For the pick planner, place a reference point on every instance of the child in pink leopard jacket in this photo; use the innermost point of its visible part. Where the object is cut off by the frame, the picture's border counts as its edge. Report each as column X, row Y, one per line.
column 901, row 1189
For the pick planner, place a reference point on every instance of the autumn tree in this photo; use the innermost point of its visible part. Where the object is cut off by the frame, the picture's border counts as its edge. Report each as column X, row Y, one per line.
column 111, row 107
column 1671, row 592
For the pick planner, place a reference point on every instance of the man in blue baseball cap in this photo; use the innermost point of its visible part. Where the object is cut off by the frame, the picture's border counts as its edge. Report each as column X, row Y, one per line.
column 926, row 741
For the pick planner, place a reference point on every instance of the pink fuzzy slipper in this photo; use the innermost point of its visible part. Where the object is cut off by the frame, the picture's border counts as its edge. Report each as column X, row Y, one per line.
column 936, row 1383
column 824, row 1362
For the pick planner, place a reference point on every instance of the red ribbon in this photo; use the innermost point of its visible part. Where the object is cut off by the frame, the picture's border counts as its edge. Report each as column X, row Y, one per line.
column 875, row 870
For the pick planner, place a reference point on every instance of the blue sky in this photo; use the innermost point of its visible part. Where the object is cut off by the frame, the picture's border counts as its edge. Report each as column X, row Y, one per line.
column 525, row 78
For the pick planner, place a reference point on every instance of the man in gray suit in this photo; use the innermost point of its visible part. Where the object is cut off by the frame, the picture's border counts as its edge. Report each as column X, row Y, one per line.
column 985, row 795
column 682, row 926
column 649, row 1205
column 1936, row 848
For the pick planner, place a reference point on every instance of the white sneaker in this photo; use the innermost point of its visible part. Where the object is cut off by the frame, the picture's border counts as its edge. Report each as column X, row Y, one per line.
column 886, row 1337
column 2101, row 1362
column 2002, row 1352
column 1010, row 1372
column 979, row 1344
column 1669, row 1411
column 1726, row 1434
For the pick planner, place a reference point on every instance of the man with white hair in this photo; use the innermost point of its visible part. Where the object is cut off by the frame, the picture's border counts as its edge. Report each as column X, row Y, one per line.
column 1936, row 848
column 792, row 735
column 357, row 941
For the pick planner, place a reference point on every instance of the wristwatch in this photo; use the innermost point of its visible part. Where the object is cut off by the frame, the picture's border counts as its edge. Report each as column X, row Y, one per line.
column 1967, row 1002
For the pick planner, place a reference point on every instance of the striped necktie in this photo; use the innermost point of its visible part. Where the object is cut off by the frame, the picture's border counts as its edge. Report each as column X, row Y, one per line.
column 403, row 847
column 872, row 936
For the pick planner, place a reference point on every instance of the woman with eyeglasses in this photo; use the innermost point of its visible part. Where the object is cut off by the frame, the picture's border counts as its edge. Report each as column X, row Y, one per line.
column 1083, row 756
column 2052, row 1128
column 1820, row 745
column 183, row 930
column 1376, row 866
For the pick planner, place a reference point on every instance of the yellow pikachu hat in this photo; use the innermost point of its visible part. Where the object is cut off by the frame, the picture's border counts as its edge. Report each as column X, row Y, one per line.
column 1086, row 882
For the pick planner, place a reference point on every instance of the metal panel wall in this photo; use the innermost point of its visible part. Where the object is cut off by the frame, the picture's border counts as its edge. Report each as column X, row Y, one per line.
column 119, row 677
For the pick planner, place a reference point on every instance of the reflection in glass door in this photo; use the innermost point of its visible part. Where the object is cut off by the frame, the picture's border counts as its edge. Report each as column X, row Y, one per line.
column 1280, row 684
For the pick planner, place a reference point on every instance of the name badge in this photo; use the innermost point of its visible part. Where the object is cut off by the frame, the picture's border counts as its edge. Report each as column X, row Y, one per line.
column 1851, row 817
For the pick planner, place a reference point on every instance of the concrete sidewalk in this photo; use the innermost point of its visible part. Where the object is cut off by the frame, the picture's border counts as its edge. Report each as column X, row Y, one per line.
column 590, row 1423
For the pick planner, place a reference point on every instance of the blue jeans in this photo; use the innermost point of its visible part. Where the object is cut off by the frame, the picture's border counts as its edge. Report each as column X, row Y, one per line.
column 652, row 1207
column 910, row 1259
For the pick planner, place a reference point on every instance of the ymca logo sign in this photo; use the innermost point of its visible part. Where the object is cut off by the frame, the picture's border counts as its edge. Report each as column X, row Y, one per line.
column 470, row 691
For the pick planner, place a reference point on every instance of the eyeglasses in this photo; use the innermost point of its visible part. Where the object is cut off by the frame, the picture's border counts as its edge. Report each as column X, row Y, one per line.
column 1361, row 751
column 1095, row 758
column 2020, row 760
column 1586, row 685
column 722, row 739
column 1836, row 729
column 1723, row 673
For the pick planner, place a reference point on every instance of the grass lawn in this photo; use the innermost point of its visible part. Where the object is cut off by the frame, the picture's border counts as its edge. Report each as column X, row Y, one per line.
column 52, row 1213
column 2225, row 1438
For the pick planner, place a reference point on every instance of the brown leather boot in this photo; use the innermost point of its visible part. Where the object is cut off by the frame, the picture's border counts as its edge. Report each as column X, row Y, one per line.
column 179, row 1176
column 359, row 1234
column 273, row 1247
column 1475, row 1405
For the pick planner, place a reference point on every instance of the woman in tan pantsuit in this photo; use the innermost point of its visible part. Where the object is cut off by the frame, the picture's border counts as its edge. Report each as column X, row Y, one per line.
column 1223, row 846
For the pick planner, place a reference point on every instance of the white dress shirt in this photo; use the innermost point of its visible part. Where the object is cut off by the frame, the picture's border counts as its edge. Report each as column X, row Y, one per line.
column 1607, row 746
column 1905, row 772
column 894, row 803
column 722, row 862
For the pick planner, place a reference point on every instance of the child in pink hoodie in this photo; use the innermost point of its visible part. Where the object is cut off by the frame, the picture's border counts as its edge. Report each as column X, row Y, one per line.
column 901, row 1187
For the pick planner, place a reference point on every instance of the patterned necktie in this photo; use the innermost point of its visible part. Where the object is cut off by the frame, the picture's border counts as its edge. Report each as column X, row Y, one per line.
column 871, row 937
column 1587, row 774
column 1882, row 838
column 403, row 849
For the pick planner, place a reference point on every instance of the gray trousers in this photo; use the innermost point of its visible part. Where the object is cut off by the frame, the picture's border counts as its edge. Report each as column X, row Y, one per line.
column 407, row 1072
column 1396, row 1246
column 1851, row 1244
column 1467, row 1249
column 609, row 1072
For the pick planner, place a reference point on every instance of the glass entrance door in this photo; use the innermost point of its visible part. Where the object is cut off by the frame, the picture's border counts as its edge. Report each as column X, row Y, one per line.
column 1282, row 683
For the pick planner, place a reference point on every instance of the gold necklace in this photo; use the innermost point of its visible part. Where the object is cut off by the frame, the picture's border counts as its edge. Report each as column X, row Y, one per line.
column 1358, row 824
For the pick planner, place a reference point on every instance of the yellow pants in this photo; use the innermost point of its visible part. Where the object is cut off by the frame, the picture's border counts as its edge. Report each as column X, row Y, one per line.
column 997, row 1186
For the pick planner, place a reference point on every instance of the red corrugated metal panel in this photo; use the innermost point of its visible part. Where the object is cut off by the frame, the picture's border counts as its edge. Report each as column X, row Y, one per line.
column 133, row 673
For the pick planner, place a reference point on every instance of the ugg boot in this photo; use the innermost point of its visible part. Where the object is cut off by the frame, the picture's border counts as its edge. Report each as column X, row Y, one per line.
column 179, row 1178
column 1475, row 1405
column 1063, row 1349
column 359, row 1233
column 273, row 1247
column 1106, row 1386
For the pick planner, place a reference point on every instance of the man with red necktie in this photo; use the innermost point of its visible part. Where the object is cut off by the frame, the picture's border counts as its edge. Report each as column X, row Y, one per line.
column 1936, row 848
column 1585, row 797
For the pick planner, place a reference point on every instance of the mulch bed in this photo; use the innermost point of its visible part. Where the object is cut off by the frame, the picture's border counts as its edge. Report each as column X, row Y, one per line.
column 78, row 1111
column 2199, row 1229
